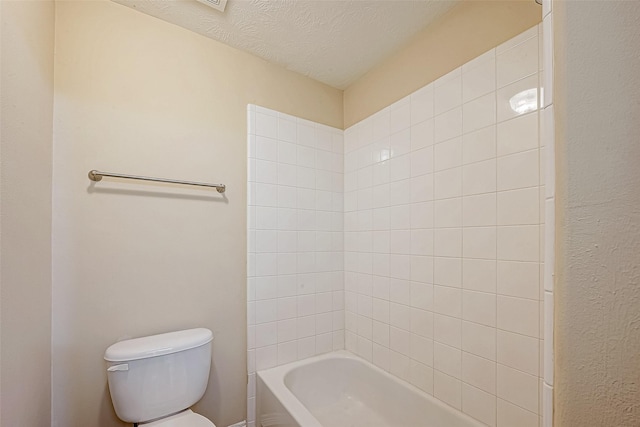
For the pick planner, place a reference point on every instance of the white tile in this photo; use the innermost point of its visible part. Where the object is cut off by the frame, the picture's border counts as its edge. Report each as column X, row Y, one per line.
column 479, row 372
column 518, row 388
column 422, row 323
column 518, row 352
column 479, row 145
column 266, row 195
column 448, row 213
column 306, row 134
column 448, row 154
column 448, row 272
column 448, row 92
column 510, row 415
column 287, row 153
column 399, row 167
column 448, row 183
column 400, row 115
column 380, row 333
column 421, row 269
column 287, row 330
column 479, row 113
column 447, row 359
column 479, row 307
column 519, row 207
column 422, row 161
column 400, row 316
column 448, row 242
column 381, row 122
column 306, row 326
column 306, row 347
column 266, row 241
column 266, row 357
column 518, row 62
column 266, row 125
column 519, row 279
column 479, row 275
column 519, row 170
column 479, row 404
column 518, row 134
column 287, row 175
column 266, row 264
column 286, row 130
column 400, row 143
column 518, row 243
column 479, row 340
column 323, row 138
column 422, row 104
column 422, row 134
column 479, row 178
column 448, row 125
column 399, row 192
column 422, row 376
column 324, row 325
column 399, row 289
column 422, row 215
column 447, row 301
column 421, row 188
column 507, row 93
column 519, row 315
column 479, row 210
column 266, row 287
column 422, row 295
column 479, row 242
column 400, row 365
column 421, row 242
column 324, row 343
column 479, row 80
column 287, row 197
column 380, row 356
column 447, row 330
column 447, row 389
column 422, row 349
column 306, row 305
column 306, row 157
column 400, row 242
column 399, row 340
column 287, row 286
column 266, row 334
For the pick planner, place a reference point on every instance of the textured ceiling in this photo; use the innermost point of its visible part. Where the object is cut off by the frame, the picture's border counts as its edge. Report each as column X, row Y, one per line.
column 334, row 42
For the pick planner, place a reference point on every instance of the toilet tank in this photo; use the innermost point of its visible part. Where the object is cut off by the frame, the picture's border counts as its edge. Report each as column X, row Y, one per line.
column 159, row 375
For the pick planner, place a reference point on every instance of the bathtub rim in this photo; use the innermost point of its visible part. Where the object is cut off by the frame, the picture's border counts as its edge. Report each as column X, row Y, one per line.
column 273, row 379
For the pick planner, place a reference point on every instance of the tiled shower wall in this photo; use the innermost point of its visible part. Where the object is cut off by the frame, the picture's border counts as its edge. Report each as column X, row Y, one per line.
column 443, row 235
column 295, row 241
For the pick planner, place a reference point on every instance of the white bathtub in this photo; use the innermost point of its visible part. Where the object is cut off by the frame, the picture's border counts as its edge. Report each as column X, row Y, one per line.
column 342, row 390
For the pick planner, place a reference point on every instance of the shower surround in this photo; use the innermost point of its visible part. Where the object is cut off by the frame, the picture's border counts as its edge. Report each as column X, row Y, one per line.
column 439, row 277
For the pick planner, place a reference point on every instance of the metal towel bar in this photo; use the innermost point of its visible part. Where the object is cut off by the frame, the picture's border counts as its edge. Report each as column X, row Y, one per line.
column 95, row 175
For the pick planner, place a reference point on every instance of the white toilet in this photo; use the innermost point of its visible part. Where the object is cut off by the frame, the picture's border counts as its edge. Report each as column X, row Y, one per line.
column 154, row 380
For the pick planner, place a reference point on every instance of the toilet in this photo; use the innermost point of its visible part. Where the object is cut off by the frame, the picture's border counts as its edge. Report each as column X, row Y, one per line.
column 154, row 380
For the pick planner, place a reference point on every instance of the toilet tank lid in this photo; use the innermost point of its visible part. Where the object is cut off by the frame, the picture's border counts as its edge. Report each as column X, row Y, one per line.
column 157, row 345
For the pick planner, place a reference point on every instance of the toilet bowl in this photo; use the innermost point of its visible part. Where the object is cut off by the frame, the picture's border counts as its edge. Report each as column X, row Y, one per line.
column 186, row 418
column 154, row 380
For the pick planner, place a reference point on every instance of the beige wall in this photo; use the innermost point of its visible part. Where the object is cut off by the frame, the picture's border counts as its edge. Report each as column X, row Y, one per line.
column 597, row 330
column 137, row 95
column 25, row 212
column 471, row 28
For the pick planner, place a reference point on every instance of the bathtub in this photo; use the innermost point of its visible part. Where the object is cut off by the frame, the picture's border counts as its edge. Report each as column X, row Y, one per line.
column 342, row 390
